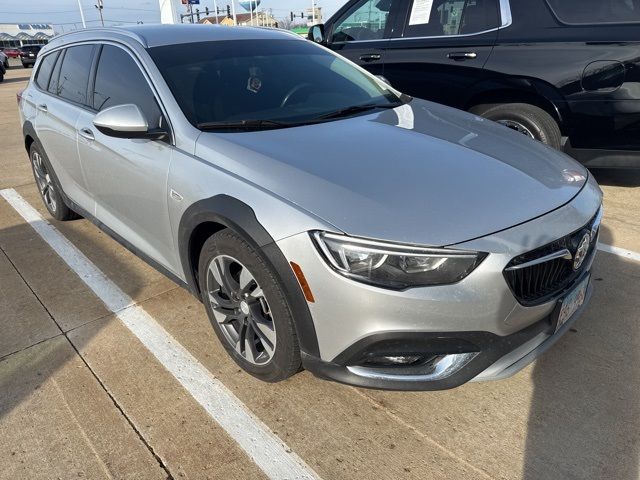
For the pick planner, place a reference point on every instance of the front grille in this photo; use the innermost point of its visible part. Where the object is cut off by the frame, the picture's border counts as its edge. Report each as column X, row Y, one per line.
column 541, row 274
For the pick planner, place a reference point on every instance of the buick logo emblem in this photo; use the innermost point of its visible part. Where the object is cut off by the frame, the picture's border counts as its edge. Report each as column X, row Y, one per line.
column 581, row 252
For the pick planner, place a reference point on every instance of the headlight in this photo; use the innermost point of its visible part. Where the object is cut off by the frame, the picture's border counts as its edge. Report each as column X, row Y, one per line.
column 395, row 266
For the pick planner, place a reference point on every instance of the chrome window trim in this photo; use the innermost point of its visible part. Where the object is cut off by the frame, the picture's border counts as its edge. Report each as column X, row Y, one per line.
column 506, row 20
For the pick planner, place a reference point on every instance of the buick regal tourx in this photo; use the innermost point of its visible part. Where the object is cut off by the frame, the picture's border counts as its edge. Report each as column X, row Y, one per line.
column 566, row 72
column 324, row 219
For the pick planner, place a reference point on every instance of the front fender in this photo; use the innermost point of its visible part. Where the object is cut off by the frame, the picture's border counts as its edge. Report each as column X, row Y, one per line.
column 236, row 215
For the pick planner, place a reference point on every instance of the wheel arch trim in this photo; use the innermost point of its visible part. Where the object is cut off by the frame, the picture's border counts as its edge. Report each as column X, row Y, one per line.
column 496, row 91
column 224, row 211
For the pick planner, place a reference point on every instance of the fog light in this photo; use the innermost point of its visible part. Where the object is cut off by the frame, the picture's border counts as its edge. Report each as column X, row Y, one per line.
column 389, row 360
column 423, row 369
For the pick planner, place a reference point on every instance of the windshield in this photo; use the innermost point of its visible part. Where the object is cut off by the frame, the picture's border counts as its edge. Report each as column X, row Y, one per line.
column 261, row 81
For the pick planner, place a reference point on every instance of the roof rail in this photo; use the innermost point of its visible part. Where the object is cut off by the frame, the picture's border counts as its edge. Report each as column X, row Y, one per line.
column 117, row 30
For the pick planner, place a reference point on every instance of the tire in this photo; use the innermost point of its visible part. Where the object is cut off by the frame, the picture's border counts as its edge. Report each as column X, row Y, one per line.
column 1, row 77
column 525, row 118
column 235, row 313
column 48, row 187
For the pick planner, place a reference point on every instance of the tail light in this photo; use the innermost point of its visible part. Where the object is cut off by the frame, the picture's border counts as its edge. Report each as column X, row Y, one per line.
column 19, row 96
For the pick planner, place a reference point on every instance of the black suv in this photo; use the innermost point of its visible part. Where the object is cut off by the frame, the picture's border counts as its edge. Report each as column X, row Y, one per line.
column 29, row 54
column 566, row 72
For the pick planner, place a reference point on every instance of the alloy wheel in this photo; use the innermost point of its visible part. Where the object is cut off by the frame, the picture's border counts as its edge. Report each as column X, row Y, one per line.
column 518, row 127
column 44, row 181
column 241, row 309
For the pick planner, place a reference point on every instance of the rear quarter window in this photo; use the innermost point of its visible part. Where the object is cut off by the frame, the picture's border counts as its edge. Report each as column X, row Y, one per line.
column 44, row 71
column 594, row 12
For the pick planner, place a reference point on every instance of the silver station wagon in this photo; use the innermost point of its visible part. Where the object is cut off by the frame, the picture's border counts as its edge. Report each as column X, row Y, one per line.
column 325, row 220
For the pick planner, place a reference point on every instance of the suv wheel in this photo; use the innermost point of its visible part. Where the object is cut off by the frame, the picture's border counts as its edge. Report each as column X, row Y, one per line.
column 49, row 191
column 246, row 305
column 527, row 119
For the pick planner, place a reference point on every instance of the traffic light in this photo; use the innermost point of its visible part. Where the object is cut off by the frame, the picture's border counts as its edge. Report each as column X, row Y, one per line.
column 228, row 11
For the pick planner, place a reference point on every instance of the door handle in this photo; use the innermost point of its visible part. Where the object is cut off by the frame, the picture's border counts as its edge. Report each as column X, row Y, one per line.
column 42, row 107
column 86, row 133
column 462, row 55
column 370, row 57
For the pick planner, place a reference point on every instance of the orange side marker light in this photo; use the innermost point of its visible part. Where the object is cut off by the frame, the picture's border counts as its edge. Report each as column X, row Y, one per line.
column 303, row 282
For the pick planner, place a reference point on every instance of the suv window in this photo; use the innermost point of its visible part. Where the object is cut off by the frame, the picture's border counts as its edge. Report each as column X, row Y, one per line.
column 435, row 18
column 120, row 81
column 596, row 11
column 45, row 69
column 367, row 20
column 74, row 74
column 31, row 48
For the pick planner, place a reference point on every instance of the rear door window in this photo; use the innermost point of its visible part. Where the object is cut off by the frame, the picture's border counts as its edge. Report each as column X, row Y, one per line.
column 119, row 81
column 596, row 11
column 436, row 18
column 74, row 74
column 44, row 71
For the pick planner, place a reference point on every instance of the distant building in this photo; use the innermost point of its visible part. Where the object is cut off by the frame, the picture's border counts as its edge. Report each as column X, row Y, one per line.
column 16, row 35
column 260, row 19
column 313, row 17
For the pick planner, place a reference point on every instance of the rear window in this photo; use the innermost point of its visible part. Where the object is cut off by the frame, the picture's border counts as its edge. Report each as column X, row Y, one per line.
column 596, row 11
column 31, row 48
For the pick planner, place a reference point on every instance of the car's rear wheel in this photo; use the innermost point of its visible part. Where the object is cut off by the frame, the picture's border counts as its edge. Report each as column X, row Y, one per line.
column 524, row 118
column 246, row 305
column 47, row 186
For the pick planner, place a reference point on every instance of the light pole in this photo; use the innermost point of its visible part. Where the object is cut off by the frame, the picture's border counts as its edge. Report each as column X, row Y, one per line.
column 313, row 12
column 100, row 6
column 84, row 25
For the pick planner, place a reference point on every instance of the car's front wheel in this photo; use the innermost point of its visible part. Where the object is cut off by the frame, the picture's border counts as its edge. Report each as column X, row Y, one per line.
column 524, row 118
column 48, row 188
column 247, row 307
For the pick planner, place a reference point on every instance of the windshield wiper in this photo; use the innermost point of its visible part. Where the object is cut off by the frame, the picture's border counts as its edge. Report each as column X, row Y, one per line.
column 244, row 125
column 345, row 112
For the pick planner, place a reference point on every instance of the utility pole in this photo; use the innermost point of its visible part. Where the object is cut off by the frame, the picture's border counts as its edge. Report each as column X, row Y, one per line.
column 84, row 25
column 100, row 6
column 313, row 12
column 215, row 6
column 233, row 9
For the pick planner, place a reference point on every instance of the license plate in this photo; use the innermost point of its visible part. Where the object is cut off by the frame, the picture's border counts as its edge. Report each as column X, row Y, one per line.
column 572, row 302
column 31, row 54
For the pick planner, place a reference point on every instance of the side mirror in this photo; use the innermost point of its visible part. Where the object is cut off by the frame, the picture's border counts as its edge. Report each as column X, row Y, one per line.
column 126, row 121
column 316, row 33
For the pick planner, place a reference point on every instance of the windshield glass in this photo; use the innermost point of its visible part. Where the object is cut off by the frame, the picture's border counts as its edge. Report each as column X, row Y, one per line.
column 288, row 81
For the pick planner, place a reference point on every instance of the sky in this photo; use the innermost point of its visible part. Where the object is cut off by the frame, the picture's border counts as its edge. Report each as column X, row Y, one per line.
column 64, row 14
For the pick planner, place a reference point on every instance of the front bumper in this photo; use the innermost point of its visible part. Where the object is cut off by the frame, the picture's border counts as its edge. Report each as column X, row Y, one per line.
column 493, row 357
column 477, row 319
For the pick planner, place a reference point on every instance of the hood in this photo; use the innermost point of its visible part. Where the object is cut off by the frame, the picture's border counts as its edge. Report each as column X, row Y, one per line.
column 421, row 173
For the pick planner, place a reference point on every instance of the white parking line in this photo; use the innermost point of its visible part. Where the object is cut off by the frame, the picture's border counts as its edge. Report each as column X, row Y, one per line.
column 269, row 452
column 620, row 252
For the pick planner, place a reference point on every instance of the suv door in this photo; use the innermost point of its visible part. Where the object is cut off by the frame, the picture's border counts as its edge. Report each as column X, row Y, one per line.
column 440, row 51
column 59, row 99
column 128, row 177
column 363, row 30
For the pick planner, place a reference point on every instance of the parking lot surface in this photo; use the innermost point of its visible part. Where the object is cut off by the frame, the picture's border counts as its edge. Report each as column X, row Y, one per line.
column 90, row 390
